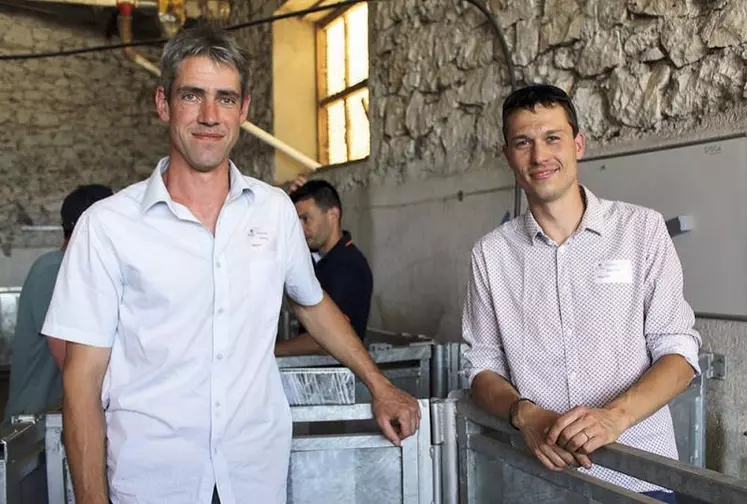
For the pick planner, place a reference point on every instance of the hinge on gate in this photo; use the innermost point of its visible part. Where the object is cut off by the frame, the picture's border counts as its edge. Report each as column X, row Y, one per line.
column 713, row 366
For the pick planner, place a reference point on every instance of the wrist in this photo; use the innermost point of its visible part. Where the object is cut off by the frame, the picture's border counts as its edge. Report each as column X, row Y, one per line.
column 377, row 383
column 623, row 417
column 519, row 411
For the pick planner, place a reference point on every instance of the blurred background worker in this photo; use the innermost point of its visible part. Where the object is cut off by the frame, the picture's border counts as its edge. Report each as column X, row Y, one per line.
column 340, row 267
column 35, row 363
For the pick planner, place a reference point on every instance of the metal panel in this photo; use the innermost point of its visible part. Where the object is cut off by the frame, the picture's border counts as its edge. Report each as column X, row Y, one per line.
column 359, row 468
column 24, row 470
column 318, row 386
column 492, row 433
column 55, row 455
column 8, row 314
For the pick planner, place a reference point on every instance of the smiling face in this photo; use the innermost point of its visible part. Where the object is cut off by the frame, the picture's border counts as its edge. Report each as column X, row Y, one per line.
column 543, row 152
column 204, row 112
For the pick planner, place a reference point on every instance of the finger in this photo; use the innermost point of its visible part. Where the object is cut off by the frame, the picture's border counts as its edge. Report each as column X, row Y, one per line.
column 388, row 430
column 583, row 460
column 567, row 456
column 562, row 422
column 555, row 459
column 577, row 441
column 594, row 443
column 578, row 428
column 405, row 423
column 545, row 461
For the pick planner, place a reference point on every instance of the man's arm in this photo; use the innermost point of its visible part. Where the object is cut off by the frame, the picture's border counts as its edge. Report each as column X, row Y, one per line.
column 486, row 365
column 303, row 344
column 328, row 326
column 587, row 429
column 671, row 341
column 495, row 395
column 83, row 421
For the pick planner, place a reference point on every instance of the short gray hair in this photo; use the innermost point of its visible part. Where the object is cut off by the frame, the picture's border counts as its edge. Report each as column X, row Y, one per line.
column 203, row 40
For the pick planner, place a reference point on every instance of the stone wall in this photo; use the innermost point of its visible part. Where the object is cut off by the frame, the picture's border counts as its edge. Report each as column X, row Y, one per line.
column 90, row 118
column 66, row 121
column 635, row 69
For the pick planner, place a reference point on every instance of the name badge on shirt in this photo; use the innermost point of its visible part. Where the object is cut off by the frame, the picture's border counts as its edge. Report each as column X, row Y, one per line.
column 614, row 271
column 258, row 238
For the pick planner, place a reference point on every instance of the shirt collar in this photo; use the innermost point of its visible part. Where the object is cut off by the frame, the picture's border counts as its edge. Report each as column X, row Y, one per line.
column 345, row 241
column 156, row 192
column 592, row 220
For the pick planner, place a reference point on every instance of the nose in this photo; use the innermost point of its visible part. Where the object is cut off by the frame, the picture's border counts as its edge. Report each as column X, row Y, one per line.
column 208, row 113
column 540, row 153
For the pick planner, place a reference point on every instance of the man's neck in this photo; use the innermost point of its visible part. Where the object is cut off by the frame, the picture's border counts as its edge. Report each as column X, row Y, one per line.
column 334, row 239
column 559, row 219
column 203, row 193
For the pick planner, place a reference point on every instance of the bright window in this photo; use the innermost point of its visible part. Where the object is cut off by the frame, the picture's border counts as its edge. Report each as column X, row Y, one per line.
column 342, row 62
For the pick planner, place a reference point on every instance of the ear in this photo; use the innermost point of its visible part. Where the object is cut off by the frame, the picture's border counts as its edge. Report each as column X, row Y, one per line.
column 580, row 144
column 334, row 213
column 162, row 104
column 245, row 107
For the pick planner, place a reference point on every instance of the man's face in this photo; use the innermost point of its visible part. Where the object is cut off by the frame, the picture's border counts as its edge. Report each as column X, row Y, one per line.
column 204, row 112
column 316, row 223
column 543, row 153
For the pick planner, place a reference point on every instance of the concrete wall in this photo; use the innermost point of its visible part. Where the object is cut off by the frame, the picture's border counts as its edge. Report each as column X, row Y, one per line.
column 643, row 73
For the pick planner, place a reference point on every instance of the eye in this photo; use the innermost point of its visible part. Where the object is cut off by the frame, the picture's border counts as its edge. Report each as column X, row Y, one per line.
column 226, row 100
column 520, row 144
column 553, row 138
column 189, row 97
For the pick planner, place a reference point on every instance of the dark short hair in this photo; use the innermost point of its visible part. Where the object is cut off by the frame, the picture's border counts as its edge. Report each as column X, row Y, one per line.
column 545, row 95
column 78, row 202
column 322, row 192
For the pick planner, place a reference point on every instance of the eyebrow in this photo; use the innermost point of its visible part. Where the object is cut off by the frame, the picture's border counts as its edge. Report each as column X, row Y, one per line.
column 221, row 93
column 527, row 137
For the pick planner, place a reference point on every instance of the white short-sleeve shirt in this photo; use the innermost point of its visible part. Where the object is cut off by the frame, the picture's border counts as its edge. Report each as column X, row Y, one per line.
column 192, row 394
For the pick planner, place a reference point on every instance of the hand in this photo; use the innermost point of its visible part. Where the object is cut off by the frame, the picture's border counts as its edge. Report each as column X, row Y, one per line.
column 534, row 424
column 297, row 183
column 396, row 412
column 584, row 430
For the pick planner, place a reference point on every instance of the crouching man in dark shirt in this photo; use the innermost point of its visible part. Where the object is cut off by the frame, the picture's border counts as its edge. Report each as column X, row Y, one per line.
column 340, row 266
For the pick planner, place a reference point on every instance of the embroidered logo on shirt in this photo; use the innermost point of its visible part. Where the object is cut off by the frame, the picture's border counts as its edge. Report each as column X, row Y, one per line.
column 258, row 238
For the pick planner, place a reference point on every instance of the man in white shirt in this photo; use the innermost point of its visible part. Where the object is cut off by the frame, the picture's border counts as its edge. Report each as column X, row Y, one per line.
column 169, row 296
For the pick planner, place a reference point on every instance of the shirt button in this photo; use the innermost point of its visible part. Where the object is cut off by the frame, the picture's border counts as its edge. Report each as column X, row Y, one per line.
column 217, row 265
column 219, row 356
column 217, row 404
column 220, row 311
column 572, row 375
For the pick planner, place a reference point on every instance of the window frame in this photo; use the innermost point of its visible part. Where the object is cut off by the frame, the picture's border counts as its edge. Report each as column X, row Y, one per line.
column 323, row 101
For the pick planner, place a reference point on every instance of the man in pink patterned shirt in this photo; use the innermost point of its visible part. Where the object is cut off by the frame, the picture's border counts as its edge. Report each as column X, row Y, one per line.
column 578, row 330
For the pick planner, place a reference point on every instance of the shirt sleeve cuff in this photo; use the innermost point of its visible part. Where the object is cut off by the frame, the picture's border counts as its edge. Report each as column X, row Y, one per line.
column 678, row 344
column 312, row 298
column 473, row 372
column 76, row 336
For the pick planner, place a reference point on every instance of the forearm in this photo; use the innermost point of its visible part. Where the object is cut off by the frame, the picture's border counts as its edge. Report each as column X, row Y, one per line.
column 667, row 378
column 493, row 393
column 327, row 326
column 84, row 437
column 303, row 344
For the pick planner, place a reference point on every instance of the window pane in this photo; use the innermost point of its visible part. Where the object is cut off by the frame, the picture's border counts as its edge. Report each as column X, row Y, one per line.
column 338, row 148
column 335, row 40
column 360, row 137
column 357, row 47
